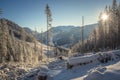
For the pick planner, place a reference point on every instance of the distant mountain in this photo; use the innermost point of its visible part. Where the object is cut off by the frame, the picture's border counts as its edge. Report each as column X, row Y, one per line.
column 67, row 35
column 72, row 36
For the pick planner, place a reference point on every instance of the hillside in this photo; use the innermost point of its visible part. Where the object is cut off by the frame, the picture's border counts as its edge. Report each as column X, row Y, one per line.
column 16, row 45
column 17, row 30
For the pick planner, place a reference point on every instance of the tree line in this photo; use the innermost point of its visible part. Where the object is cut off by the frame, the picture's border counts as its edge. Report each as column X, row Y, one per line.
column 107, row 34
column 14, row 49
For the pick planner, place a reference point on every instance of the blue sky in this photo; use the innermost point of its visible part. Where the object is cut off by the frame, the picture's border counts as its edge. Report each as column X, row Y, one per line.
column 31, row 13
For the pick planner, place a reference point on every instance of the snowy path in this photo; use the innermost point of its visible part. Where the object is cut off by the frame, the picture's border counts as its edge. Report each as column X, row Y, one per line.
column 73, row 73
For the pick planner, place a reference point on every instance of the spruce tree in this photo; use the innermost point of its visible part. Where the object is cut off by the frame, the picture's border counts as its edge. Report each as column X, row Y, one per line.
column 3, row 40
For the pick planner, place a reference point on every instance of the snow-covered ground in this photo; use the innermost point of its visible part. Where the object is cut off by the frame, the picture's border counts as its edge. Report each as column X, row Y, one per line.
column 80, row 72
column 57, row 70
column 92, row 71
column 13, row 71
column 103, row 72
column 111, row 72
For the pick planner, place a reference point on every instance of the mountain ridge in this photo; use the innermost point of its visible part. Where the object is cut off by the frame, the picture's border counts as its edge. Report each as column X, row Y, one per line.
column 62, row 34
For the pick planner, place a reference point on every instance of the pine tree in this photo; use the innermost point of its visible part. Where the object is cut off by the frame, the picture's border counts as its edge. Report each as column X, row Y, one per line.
column 41, row 45
column 114, row 14
column 101, row 31
column 49, row 26
column 49, row 29
column 119, row 24
column 114, row 6
column 35, row 47
column 95, row 38
column 23, row 55
column 3, row 40
column 12, row 43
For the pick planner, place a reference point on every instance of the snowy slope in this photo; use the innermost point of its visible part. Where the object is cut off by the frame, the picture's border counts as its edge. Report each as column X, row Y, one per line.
column 111, row 72
column 94, row 71
column 83, row 72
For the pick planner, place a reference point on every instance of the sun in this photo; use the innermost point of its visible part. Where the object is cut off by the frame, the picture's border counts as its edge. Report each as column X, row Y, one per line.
column 104, row 17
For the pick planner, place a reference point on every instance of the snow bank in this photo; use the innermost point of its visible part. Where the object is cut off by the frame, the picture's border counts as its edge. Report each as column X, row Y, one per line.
column 104, row 73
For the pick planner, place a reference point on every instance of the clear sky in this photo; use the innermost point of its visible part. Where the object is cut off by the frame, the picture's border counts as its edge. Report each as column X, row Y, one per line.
column 31, row 13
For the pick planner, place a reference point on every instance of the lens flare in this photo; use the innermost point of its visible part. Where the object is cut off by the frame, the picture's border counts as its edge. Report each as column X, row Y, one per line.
column 104, row 17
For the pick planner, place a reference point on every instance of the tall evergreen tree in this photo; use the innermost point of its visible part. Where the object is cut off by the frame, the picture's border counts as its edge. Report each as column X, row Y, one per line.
column 49, row 26
column 3, row 40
